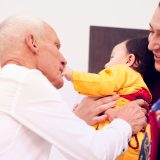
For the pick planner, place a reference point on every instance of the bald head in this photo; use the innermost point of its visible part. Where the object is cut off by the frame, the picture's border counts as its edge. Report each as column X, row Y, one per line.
column 20, row 22
column 13, row 32
column 14, row 28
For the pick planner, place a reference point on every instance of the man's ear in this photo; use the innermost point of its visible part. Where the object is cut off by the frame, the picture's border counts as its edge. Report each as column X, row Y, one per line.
column 30, row 41
column 130, row 60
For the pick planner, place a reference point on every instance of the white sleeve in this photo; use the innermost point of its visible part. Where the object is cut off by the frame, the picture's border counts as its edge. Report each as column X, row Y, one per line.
column 39, row 107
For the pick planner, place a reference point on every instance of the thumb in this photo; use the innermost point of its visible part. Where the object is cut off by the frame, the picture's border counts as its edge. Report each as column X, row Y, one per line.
column 142, row 103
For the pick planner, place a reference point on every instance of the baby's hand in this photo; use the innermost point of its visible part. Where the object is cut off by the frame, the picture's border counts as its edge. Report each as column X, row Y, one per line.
column 67, row 73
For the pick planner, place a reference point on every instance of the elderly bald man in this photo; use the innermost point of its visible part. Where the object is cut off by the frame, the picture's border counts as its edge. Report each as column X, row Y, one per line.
column 33, row 117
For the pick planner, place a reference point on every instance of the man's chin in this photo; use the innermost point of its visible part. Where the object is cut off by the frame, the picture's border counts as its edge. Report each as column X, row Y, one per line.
column 157, row 67
column 59, row 85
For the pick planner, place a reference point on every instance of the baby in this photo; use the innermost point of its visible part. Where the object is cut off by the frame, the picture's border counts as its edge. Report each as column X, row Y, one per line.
column 122, row 75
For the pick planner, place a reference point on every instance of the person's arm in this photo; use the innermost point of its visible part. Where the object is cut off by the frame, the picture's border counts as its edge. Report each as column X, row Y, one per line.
column 68, row 73
column 40, row 109
column 107, row 82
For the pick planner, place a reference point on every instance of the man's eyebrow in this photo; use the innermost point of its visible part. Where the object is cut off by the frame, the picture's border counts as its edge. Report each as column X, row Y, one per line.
column 158, row 30
column 150, row 25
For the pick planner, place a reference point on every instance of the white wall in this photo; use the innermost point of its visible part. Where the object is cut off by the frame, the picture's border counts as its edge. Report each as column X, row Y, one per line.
column 72, row 18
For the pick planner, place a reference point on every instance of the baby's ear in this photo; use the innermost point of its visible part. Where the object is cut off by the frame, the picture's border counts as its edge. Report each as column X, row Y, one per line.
column 130, row 60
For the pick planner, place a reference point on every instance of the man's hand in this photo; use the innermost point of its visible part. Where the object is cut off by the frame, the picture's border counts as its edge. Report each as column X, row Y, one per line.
column 132, row 112
column 90, row 109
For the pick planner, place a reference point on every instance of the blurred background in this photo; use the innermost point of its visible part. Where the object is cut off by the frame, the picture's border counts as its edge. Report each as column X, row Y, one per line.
column 72, row 19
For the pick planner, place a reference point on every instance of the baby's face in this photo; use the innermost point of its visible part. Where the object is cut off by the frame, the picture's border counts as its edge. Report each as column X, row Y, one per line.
column 118, row 55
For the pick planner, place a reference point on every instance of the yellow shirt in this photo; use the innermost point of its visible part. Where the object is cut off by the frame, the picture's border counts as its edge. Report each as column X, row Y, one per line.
column 119, row 79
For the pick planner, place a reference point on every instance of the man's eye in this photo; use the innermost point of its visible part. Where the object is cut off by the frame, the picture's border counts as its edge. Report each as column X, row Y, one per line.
column 151, row 32
column 57, row 45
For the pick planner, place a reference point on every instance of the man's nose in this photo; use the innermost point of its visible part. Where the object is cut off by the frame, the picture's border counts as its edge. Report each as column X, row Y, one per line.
column 154, row 44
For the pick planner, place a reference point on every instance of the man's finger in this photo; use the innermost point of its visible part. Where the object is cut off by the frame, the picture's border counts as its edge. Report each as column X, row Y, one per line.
column 108, row 99
column 99, row 119
column 142, row 103
column 104, row 107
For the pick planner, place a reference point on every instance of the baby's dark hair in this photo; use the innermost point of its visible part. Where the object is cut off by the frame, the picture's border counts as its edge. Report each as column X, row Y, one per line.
column 143, row 57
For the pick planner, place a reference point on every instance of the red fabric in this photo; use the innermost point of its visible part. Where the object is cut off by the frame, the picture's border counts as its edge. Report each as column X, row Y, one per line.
column 154, row 135
column 141, row 94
